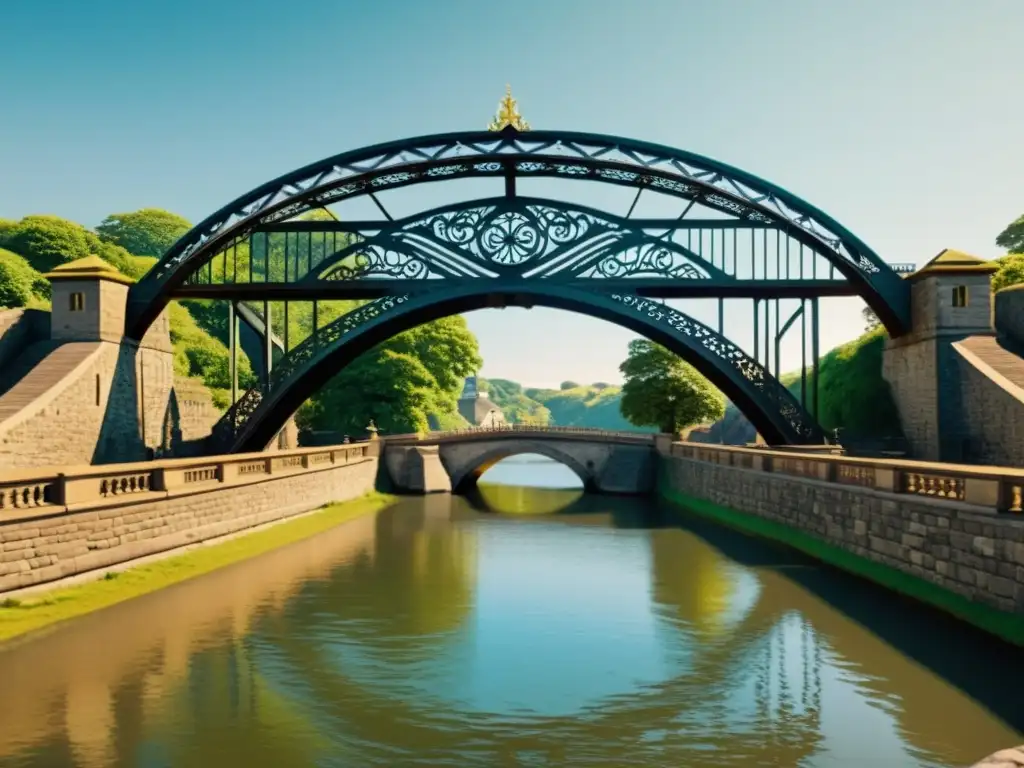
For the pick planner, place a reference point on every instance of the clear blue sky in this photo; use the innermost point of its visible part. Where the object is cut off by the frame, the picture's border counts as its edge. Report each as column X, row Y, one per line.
column 901, row 118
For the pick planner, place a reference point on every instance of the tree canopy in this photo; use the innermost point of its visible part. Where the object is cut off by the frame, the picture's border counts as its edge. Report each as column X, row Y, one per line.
column 147, row 232
column 663, row 391
column 400, row 383
column 1012, row 238
column 20, row 284
column 1010, row 272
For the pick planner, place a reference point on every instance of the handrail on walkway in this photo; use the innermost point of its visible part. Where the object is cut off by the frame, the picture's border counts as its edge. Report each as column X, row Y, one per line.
column 520, row 427
column 998, row 488
column 50, row 491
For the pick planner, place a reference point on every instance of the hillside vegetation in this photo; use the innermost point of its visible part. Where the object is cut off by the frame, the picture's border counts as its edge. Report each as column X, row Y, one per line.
column 854, row 396
column 594, row 405
column 404, row 384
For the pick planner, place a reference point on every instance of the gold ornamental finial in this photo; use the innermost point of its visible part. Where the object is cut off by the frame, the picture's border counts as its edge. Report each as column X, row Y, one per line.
column 508, row 114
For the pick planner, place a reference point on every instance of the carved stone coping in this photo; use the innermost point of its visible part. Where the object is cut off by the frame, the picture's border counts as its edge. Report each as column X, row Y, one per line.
column 524, row 431
column 28, row 494
column 996, row 489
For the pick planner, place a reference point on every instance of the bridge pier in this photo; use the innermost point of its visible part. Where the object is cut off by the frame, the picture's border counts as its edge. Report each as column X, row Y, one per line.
column 417, row 469
column 605, row 462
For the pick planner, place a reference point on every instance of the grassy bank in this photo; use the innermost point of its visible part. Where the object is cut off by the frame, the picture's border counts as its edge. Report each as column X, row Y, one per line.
column 19, row 616
column 1007, row 626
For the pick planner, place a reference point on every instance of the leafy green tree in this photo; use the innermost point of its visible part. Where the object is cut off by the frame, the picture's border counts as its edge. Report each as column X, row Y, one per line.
column 318, row 214
column 517, row 407
column 146, row 232
column 568, row 385
column 20, row 285
column 395, row 390
column 49, row 241
column 1012, row 238
column 400, row 383
column 447, row 349
column 663, row 391
column 1010, row 272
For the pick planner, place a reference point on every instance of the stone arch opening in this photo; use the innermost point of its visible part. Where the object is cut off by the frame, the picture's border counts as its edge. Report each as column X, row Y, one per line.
column 464, row 476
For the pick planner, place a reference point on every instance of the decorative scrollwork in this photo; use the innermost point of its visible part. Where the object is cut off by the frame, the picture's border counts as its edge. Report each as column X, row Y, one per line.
column 570, row 155
column 506, row 235
column 373, row 260
column 650, row 259
column 769, row 388
column 511, row 238
column 538, row 153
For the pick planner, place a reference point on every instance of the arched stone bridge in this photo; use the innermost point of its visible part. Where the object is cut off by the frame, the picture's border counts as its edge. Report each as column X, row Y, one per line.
column 606, row 461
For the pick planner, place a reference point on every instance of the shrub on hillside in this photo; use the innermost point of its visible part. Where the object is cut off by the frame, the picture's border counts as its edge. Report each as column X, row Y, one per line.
column 20, row 285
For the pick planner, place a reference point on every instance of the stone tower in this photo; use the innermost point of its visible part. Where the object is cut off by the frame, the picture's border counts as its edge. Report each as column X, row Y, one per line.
column 476, row 407
column 89, row 298
column 951, row 299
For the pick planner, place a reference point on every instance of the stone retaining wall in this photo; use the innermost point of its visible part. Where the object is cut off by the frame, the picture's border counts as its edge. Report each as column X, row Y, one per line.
column 94, row 517
column 965, row 547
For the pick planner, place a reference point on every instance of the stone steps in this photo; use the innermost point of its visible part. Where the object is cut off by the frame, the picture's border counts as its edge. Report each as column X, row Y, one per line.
column 1000, row 359
column 36, row 371
column 23, row 363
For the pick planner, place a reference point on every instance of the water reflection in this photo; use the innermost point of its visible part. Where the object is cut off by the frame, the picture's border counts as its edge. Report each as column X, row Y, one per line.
column 440, row 633
column 530, row 470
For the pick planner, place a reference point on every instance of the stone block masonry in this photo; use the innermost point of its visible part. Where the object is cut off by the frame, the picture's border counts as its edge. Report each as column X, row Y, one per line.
column 946, row 527
column 82, row 519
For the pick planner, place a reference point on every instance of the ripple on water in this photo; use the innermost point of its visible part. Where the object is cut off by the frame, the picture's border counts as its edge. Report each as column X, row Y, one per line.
column 439, row 635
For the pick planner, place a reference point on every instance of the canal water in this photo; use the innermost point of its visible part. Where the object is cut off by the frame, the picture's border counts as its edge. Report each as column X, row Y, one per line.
column 491, row 631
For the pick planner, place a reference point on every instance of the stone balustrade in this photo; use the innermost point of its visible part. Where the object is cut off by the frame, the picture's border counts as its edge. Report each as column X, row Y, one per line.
column 42, row 493
column 999, row 489
column 523, row 429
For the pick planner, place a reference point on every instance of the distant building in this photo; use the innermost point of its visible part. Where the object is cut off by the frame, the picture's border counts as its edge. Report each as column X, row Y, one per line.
column 476, row 407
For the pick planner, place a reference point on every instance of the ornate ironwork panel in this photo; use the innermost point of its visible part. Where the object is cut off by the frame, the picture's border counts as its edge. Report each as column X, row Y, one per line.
column 533, row 240
column 771, row 393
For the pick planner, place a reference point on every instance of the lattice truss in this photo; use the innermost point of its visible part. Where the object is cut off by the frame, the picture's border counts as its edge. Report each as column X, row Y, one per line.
column 527, row 239
column 762, row 232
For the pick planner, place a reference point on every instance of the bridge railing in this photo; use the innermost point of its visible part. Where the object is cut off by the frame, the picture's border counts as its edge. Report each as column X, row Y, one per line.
column 998, row 488
column 49, row 491
column 521, row 427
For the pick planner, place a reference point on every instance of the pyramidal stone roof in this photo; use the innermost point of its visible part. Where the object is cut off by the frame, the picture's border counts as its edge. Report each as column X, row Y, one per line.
column 89, row 268
column 951, row 262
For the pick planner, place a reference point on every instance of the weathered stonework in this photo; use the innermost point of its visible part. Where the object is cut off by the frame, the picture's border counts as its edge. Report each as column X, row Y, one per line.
column 96, row 526
column 606, row 462
column 415, row 469
column 1009, row 314
column 993, row 412
column 98, row 398
column 18, row 329
column 922, row 368
column 964, row 548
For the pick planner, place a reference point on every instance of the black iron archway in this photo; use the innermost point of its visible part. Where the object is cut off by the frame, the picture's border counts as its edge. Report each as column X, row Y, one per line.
column 738, row 237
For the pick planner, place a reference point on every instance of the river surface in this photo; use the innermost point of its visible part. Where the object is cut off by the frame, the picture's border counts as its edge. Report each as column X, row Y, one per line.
column 448, row 631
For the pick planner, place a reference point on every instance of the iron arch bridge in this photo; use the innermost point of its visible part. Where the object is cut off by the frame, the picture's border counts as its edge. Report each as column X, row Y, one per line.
column 736, row 237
